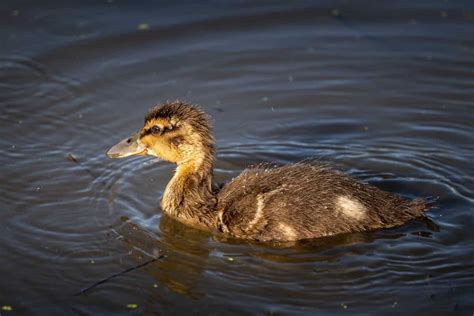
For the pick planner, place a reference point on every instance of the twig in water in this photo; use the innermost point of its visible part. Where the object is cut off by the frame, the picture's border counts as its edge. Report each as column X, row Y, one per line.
column 87, row 289
column 73, row 158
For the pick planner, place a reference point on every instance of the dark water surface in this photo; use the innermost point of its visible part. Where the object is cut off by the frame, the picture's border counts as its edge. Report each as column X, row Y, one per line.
column 384, row 90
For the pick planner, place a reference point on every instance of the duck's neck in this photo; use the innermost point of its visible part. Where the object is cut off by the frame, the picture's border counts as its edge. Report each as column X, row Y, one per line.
column 188, row 197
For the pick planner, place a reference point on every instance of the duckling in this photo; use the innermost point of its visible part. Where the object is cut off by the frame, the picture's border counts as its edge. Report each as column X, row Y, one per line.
column 264, row 203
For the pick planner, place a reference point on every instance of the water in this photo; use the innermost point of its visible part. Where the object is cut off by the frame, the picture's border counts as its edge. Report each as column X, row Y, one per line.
column 383, row 90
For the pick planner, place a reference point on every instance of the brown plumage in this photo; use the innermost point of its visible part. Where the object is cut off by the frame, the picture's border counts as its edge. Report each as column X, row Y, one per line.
column 264, row 203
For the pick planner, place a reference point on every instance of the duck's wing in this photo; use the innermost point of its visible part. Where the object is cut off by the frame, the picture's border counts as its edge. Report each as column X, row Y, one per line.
column 306, row 200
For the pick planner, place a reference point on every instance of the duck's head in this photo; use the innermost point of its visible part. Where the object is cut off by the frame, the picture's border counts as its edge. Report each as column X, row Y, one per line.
column 176, row 132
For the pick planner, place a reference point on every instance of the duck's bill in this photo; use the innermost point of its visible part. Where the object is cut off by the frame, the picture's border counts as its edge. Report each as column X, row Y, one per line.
column 127, row 147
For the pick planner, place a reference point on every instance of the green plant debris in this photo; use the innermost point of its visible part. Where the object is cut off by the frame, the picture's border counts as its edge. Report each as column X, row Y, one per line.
column 7, row 308
column 132, row 306
column 143, row 27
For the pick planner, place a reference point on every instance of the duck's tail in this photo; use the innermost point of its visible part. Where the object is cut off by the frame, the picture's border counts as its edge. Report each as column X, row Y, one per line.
column 418, row 207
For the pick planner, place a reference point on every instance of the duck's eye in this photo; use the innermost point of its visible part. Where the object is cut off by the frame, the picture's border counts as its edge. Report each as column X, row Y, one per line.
column 156, row 129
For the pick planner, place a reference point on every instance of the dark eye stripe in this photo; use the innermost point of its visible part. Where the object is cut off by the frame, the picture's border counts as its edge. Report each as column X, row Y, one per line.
column 145, row 132
column 155, row 130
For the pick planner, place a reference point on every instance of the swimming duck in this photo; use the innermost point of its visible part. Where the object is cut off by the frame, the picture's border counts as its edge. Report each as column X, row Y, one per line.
column 264, row 203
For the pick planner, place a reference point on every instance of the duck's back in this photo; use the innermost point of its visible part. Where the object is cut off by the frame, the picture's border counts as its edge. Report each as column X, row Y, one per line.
column 306, row 200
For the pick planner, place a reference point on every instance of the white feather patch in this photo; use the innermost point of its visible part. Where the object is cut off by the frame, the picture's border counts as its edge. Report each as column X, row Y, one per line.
column 350, row 207
column 288, row 232
column 258, row 212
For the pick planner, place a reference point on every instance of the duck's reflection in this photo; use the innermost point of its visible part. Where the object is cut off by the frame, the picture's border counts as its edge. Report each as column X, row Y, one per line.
column 185, row 251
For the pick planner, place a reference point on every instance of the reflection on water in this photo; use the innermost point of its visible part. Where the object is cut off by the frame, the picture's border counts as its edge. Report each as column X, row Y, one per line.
column 383, row 91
